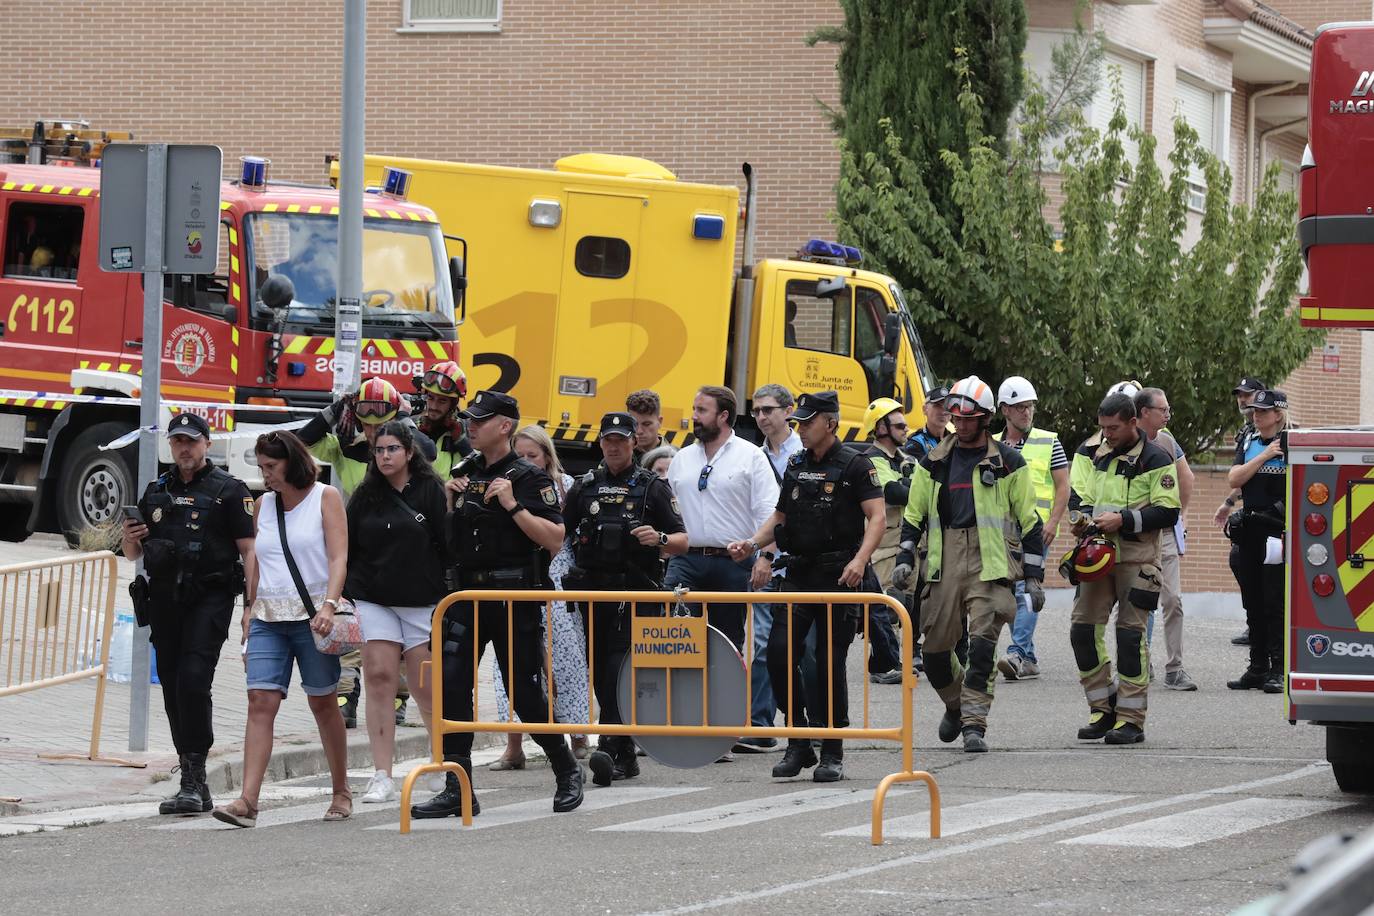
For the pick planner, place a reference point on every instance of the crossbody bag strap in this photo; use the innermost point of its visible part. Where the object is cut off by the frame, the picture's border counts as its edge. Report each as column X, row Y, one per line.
column 290, row 560
column 419, row 518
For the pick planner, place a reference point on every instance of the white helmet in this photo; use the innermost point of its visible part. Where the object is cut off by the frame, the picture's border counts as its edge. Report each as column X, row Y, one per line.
column 969, row 397
column 1129, row 389
column 1015, row 390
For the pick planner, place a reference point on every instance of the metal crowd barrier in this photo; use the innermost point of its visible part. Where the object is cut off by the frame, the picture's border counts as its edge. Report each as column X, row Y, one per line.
column 783, row 602
column 56, row 619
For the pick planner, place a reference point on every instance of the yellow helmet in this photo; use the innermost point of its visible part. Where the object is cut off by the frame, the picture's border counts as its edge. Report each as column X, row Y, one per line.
column 876, row 411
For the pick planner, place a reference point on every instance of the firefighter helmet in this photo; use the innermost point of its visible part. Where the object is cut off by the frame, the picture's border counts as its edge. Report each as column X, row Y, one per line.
column 378, row 401
column 445, row 379
column 1129, row 389
column 876, row 411
column 969, row 397
column 1015, row 390
column 1091, row 558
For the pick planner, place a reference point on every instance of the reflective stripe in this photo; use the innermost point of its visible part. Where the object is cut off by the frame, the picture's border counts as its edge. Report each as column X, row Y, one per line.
column 1100, row 693
column 1033, row 559
column 1135, row 702
column 976, row 709
column 1137, row 520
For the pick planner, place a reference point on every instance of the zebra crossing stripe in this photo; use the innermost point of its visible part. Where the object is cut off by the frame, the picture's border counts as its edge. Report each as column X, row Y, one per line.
column 1201, row 825
column 522, row 812
column 752, row 811
column 987, row 813
column 273, row 817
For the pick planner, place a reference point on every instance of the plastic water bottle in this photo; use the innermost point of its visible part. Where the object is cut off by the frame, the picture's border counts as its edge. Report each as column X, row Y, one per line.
column 122, row 649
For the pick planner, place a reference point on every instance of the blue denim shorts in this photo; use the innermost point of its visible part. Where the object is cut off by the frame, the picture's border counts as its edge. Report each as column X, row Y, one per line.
column 273, row 646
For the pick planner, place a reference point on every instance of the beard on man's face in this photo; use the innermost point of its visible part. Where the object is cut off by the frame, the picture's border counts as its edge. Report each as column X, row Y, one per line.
column 704, row 432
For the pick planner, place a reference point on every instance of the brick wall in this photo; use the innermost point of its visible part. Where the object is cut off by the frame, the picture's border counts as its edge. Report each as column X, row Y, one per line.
column 1311, row 13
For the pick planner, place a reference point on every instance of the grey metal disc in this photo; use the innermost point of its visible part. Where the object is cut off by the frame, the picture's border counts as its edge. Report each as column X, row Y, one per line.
column 726, row 689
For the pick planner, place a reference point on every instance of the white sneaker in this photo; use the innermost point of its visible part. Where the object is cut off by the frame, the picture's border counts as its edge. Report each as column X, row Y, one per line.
column 380, row 789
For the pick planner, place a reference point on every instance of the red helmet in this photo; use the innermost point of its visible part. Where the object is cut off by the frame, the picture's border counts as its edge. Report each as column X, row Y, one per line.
column 1092, row 558
column 445, row 379
column 378, row 401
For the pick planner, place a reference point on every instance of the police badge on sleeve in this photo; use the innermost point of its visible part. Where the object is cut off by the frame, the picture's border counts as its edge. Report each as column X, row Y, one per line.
column 248, row 505
column 549, row 496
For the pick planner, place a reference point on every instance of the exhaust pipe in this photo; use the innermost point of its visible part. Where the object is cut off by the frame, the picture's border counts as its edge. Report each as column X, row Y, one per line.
column 744, row 300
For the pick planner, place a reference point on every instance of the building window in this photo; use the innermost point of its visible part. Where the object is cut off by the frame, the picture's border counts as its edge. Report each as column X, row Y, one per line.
column 1133, row 78
column 452, row 16
column 1201, row 106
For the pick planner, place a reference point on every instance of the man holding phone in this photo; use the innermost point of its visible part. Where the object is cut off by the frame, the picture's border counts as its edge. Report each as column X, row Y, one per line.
column 194, row 530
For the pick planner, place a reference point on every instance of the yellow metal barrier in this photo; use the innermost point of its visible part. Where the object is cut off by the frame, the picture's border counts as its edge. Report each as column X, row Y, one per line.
column 53, row 616
column 903, row 733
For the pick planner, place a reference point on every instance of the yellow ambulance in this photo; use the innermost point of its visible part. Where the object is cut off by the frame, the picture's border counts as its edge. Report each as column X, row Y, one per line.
column 606, row 274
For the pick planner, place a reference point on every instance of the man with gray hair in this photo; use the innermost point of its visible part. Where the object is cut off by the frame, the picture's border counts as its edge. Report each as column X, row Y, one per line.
column 1152, row 407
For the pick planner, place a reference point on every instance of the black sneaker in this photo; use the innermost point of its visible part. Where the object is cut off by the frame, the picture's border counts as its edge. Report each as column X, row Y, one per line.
column 950, row 724
column 1243, row 639
column 799, row 756
column 1273, row 682
column 755, row 745
column 1125, row 733
column 1099, row 723
column 887, row 677
column 1250, row 680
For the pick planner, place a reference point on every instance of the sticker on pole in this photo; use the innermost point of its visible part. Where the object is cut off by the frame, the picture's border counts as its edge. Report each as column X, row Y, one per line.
column 668, row 642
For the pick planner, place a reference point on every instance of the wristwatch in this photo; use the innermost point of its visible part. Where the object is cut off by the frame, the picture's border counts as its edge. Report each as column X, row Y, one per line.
column 662, row 539
column 516, row 509
column 331, row 602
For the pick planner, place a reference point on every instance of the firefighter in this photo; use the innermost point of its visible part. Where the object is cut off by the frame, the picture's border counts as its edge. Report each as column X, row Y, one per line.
column 887, row 425
column 829, row 519
column 504, row 527
column 974, row 498
column 444, row 386
column 1129, row 494
column 621, row 519
column 195, row 538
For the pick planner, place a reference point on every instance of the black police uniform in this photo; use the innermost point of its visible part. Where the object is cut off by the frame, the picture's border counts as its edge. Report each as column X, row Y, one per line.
column 603, row 508
column 821, row 500
column 194, row 574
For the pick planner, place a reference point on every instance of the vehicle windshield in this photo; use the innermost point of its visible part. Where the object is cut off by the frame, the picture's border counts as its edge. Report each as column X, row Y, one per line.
column 405, row 277
column 922, row 361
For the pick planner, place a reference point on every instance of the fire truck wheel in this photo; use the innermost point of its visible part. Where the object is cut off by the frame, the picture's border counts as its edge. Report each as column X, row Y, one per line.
column 1350, row 750
column 94, row 484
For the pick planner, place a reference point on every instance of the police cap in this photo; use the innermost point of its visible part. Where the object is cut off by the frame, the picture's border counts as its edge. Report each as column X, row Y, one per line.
column 491, row 404
column 1270, row 399
column 1248, row 384
column 617, row 423
column 937, row 394
column 814, row 402
column 191, row 425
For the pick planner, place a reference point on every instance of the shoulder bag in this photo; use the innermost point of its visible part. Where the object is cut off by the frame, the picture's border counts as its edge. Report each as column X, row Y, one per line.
column 347, row 634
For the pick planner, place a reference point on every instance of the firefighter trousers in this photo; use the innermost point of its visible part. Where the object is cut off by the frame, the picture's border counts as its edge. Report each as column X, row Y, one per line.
column 1133, row 588
column 961, row 597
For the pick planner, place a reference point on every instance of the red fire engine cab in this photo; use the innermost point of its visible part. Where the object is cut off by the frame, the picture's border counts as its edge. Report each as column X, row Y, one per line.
column 1330, row 539
column 71, row 334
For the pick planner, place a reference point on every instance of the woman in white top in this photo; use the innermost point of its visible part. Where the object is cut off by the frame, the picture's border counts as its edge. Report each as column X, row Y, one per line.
column 277, row 626
column 569, row 646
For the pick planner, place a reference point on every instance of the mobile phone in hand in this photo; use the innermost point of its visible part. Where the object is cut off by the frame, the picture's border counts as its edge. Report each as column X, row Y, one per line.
column 132, row 514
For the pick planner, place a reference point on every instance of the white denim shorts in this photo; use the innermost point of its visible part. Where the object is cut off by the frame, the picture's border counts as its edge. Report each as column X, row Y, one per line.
column 408, row 626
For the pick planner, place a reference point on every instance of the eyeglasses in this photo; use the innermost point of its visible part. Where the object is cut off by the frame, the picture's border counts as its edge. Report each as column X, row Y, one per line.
column 1023, row 406
column 765, row 411
column 377, row 411
column 892, row 425
column 381, row 450
column 443, row 384
column 705, row 475
column 1166, row 409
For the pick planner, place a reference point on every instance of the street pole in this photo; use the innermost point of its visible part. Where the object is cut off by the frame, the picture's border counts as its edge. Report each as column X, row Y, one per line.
column 148, row 413
column 348, row 308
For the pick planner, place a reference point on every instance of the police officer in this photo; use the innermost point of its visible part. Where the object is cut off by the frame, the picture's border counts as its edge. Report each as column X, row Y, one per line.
column 919, row 443
column 1130, row 494
column 195, row 538
column 829, row 519
column 444, row 386
column 621, row 519
column 885, row 422
column 504, row 527
column 974, row 498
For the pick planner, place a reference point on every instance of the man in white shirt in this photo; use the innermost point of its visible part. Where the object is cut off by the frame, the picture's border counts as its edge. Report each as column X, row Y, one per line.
column 726, row 488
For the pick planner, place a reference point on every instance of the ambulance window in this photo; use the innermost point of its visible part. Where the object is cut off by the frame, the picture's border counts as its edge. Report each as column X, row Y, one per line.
column 42, row 240
column 599, row 256
column 814, row 323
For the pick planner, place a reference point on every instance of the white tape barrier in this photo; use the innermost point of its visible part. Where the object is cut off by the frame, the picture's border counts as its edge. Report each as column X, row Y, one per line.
column 132, row 435
column 6, row 393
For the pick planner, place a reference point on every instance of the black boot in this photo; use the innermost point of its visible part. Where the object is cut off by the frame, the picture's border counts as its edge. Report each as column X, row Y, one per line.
column 568, row 776
column 626, row 761
column 974, row 742
column 950, row 724
column 1099, row 723
column 194, row 797
column 450, row 801
column 348, row 704
column 169, row 805
column 798, row 756
column 1125, row 733
column 601, row 762
column 831, row 768
column 1252, row 679
column 1273, row 681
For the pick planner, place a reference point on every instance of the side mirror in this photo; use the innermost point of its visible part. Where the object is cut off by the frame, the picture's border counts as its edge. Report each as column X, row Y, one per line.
column 277, row 292
column 892, row 334
column 457, row 274
column 827, row 287
column 229, row 313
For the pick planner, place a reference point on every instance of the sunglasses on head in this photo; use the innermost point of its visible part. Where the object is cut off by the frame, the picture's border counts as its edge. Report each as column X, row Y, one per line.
column 376, row 411
column 705, row 475
column 446, row 384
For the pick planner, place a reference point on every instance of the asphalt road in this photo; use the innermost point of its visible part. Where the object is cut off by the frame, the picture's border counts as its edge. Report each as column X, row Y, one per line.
column 1204, row 817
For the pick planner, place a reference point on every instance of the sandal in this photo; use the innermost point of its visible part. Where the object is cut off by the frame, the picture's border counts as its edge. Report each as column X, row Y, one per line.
column 340, row 812
column 237, row 813
column 508, row 763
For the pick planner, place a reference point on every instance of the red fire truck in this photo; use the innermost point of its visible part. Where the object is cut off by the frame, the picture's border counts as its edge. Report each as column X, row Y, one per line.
column 1330, row 540
column 70, row 334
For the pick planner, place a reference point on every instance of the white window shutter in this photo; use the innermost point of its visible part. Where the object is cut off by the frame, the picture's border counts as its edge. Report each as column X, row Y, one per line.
column 1198, row 105
column 1133, row 97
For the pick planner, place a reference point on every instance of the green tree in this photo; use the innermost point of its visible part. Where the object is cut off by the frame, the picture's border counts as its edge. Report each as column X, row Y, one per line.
column 897, row 62
column 1116, row 295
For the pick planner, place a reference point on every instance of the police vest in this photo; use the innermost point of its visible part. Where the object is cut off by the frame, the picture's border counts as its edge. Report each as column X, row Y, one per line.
column 608, row 512
column 1038, row 450
column 186, row 541
column 823, row 516
column 485, row 535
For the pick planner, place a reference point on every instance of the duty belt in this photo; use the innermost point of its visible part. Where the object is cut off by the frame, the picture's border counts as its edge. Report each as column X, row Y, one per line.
column 508, row 577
